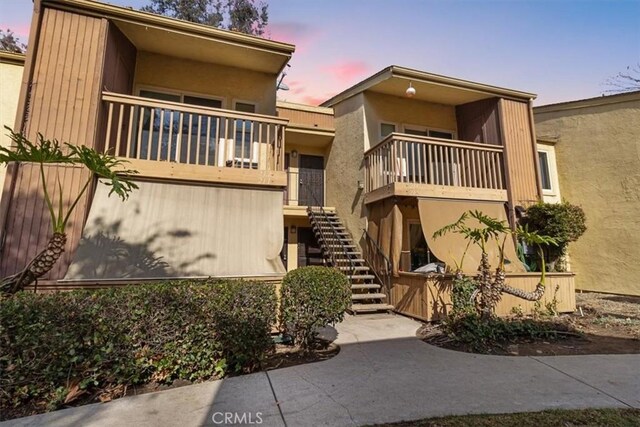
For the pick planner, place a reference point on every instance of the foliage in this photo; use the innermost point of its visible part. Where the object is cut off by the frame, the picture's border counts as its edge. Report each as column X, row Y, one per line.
column 481, row 334
column 562, row 221
column 110, row 169
column 10, row 43
column 625, row 81
column 58, row 347
column 312, row 297
column 246, row 16
column 491, row 285
column 462, row 295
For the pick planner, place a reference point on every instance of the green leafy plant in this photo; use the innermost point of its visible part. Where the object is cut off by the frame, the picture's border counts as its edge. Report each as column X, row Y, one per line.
column 490, row 231
column 312, row 297
column 463, row 292
column 110, row 170
column 562, row 221
column 57, row 348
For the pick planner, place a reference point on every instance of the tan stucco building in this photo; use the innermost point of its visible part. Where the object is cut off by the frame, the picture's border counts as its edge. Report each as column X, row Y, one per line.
column 11, row 66
column 597, row 146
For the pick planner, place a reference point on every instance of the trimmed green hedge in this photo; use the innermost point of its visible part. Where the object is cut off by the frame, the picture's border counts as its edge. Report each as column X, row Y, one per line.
column 97, row 341
column 312, row 297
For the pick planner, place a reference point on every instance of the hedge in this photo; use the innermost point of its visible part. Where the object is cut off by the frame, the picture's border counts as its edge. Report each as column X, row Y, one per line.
column 88, row 343
column 312, row 297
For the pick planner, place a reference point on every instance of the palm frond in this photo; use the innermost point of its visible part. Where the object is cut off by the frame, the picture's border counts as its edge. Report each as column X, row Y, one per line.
column 456, row 227
column 23, row 150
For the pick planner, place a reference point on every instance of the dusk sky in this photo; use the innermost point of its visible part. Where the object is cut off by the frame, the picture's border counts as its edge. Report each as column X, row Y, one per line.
column 561, row 50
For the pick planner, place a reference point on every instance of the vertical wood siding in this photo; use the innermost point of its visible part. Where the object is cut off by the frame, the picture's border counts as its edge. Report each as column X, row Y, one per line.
column 478, row 122
column 307, row 118
column 520, row 156
column 63, row 103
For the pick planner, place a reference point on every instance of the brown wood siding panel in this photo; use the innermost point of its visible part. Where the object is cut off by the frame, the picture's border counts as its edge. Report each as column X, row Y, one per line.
column 520, row 156
column 64, row 101
column 67, row 78
column 478, row 122
column 429, row 298
column 29, row 224
column 306, row 118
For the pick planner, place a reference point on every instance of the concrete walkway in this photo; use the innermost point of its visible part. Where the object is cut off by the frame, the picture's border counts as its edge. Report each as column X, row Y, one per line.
column 382, row 374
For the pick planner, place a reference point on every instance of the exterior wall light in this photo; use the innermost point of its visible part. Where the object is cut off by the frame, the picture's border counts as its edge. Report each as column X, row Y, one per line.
column 294, row 229
column 411, row 91
column 360, row 185
column 294, row 154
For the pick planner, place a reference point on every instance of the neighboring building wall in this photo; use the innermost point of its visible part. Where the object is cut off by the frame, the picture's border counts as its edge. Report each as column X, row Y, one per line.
column 344, row 165
column 11, row 66
column 598, row 156
column 402, row 111
column 63, row 104
column 187, row 76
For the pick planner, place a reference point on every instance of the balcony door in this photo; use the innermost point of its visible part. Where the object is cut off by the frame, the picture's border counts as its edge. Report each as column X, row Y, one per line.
column 311, row 181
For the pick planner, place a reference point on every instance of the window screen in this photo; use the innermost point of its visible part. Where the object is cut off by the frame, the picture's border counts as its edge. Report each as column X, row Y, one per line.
column 544, row 170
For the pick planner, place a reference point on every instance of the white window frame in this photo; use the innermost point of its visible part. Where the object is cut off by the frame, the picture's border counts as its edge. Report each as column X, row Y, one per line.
column 245, row 101
column 553, row 169
column 180, row 93
column 422, row 128
column 384, row 122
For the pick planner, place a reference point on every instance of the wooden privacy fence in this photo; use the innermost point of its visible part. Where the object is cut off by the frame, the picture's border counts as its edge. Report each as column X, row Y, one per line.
column 436, row 161
column 148, row 129
column 428, row 296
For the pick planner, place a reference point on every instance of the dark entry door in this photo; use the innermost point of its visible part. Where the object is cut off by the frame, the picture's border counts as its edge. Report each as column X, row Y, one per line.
column 311, row 181
column 309, row 252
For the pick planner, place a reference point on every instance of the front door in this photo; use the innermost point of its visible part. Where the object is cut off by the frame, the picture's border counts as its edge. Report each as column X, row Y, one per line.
column 311, row 181
column 309, row 252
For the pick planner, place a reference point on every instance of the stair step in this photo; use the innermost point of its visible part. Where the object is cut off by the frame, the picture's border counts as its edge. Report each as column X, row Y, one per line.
column 352, row 259
column 365, row 286
column 355, row 268
column 362, row 308
column 360, row 277
column 368, row 296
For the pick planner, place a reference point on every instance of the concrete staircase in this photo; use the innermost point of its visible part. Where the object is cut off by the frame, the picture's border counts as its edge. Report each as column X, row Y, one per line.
column 340, row 252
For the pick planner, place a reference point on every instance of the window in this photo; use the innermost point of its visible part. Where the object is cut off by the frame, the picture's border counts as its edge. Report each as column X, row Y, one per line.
column 545, row 175
column 386, row 129
column 420, row 253
column 440, row 134
column 244, row 138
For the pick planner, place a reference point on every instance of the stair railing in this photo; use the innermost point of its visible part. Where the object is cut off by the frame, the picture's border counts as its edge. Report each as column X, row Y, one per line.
column 377, row 260
column 334, row 233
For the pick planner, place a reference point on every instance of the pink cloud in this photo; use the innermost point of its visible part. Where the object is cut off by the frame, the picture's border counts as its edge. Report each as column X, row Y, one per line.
column 301, row 35
column 21, row 30
column 313, row 100
column 348, row 71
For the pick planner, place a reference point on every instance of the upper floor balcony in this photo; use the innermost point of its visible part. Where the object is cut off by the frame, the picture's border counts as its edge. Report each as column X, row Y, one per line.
column 163, row 139
column 410, row 165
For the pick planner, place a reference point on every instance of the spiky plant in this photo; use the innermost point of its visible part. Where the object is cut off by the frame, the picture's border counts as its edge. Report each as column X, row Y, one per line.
column 491, row 285
column 108, row 169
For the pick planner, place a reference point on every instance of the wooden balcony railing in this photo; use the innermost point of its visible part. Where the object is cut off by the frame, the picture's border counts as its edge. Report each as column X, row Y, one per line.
column 146, row 130
column 443, row 162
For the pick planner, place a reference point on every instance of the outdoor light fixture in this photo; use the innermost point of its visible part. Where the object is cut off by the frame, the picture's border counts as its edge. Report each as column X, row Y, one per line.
column 294, row 153
column 411, row 91
column 360, row 185
column 294, row 229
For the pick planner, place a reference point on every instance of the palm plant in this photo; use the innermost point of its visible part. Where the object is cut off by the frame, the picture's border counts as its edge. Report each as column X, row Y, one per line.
column 108, row 169
column 491, row 285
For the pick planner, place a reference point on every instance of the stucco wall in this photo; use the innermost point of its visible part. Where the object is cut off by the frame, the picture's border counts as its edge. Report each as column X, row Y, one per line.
column 402, row 111
column 344, row 165
column 10, row 80
column 598, row 159
column 232, row 84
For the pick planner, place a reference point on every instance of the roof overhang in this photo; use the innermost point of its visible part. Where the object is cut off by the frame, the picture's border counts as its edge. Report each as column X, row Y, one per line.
column 177, row 38
column 597, row 101
column 436, row 88
column 12, row 58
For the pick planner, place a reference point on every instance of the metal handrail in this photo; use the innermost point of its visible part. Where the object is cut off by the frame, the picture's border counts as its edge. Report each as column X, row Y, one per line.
column 333, row 231
column 378, row 251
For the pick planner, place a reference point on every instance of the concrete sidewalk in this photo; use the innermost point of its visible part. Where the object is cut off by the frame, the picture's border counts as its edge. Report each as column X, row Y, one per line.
column 382, row 374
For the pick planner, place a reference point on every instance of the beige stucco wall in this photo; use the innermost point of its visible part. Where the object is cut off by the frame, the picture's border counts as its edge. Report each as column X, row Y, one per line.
column 231, row 84
column 402, row 111
column 10, row 80
column 344, row 165
column 598, row 159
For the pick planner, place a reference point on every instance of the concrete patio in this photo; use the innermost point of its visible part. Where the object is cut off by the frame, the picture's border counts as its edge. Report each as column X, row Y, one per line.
column 383, row 373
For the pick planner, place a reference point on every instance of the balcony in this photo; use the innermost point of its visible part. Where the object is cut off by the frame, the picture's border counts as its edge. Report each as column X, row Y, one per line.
column 162, row 139
column 417, row 166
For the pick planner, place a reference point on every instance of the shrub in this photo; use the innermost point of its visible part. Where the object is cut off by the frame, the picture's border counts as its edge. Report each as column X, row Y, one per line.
column 61, row 346
column 312, row 297
column 563, row 222
column 462, row 291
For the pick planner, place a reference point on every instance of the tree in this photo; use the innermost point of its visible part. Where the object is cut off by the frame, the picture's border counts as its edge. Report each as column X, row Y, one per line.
column 10, row 43
column 491, row 285
column 246, row 16
column 108, row 168
column 625, row 81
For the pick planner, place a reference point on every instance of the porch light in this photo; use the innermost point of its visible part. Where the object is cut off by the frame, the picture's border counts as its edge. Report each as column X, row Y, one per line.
column 294, row 154
column 294, row 229
column 411, row 91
